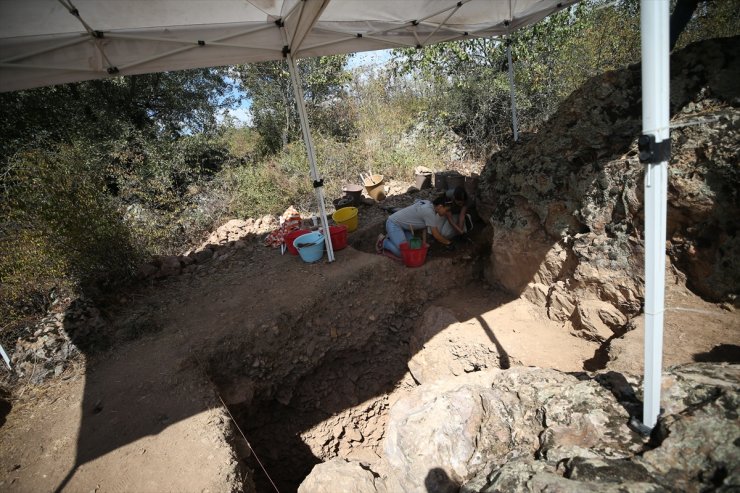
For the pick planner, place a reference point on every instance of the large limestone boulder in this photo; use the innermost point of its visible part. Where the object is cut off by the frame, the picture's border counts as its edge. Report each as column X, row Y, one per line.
column 463, row 425
column 341, row 475
column 591, row 476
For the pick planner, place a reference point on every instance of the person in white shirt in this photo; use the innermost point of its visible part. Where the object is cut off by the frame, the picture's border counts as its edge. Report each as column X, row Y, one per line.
column 458, row 221
column 419, row 216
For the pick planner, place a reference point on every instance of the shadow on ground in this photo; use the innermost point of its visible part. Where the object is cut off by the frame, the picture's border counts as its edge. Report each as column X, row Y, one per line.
column 307, row 341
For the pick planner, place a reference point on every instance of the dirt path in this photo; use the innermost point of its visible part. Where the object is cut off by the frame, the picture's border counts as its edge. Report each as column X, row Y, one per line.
column 306, row 356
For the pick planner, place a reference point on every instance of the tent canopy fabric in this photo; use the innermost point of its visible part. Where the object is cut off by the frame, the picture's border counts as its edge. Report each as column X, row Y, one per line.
column 45, row 42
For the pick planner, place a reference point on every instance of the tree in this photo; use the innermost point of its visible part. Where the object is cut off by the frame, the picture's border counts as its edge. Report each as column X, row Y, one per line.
column 94, row 174
column 273, row 107
column 551, row 58
column 163, row 105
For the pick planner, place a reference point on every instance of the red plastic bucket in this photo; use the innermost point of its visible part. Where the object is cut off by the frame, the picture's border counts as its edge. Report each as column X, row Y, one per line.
column 288, row 238
column 338, row 236
column 413, row 257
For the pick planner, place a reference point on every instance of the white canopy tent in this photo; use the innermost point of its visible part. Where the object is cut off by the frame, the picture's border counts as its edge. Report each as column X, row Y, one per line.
column 54, row 41
column 45, row 42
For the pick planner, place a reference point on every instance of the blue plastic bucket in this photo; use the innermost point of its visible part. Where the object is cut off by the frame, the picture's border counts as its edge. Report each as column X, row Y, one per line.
column 310, row 246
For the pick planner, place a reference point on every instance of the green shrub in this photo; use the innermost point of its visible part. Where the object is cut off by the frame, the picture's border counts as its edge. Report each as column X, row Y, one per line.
column 29, row 271
column 59, row 226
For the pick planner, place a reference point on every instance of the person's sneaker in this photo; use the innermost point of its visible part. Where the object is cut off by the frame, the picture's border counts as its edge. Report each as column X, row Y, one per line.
column 379, row 243
column 468, row 223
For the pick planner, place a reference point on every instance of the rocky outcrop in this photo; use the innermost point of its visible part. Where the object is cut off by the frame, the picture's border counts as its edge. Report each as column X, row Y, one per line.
column 531, row 430
column 565, row 204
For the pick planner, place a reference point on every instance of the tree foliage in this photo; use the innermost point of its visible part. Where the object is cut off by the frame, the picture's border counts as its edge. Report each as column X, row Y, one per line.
column 468, row 80
column 58, row 223
column 165, row 105
column 92, row 175
column 273, row 108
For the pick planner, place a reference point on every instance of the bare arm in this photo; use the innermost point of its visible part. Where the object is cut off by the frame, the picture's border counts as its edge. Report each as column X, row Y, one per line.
column 438, row 236
column 458, row 227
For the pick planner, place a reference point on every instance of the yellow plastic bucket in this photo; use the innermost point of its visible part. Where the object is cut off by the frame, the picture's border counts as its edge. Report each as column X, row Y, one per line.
column 346, row 216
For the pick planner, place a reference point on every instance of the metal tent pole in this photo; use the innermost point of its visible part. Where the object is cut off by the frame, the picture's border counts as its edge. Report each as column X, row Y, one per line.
column 655, row 151
column 512, row 90
column 317, row 183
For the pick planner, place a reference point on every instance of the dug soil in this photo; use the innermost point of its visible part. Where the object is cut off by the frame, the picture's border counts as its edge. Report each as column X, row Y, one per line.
column 256, row 361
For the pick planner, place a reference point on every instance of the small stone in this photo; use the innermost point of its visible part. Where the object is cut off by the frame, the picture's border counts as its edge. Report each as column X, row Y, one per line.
column 354, row 435
column 337, row 430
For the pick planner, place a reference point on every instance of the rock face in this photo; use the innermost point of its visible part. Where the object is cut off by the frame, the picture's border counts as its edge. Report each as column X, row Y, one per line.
column 340, row 475
column 566, row 204
column 533, row 430
column 463, row 426
column 442, row 347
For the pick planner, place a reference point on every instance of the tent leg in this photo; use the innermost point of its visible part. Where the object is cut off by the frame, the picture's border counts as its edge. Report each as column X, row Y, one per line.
column 512, row 90
column 298, row 92
column 654, row 28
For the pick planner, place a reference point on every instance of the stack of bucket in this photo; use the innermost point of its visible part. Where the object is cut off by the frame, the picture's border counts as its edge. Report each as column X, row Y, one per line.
column 310, row 245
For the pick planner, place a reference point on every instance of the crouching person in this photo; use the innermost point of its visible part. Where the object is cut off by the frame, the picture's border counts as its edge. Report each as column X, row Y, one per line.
column 419, row 216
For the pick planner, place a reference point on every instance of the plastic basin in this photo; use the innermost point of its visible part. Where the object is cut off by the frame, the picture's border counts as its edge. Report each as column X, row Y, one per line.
column 374, row 187
column 354, row 192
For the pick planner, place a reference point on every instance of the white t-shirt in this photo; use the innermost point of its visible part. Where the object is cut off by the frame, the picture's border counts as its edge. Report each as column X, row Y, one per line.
column 416, row 216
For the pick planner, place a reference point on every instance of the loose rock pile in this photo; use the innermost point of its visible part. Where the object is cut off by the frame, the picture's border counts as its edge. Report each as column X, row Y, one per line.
column 49, row 347
column 236, row 234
